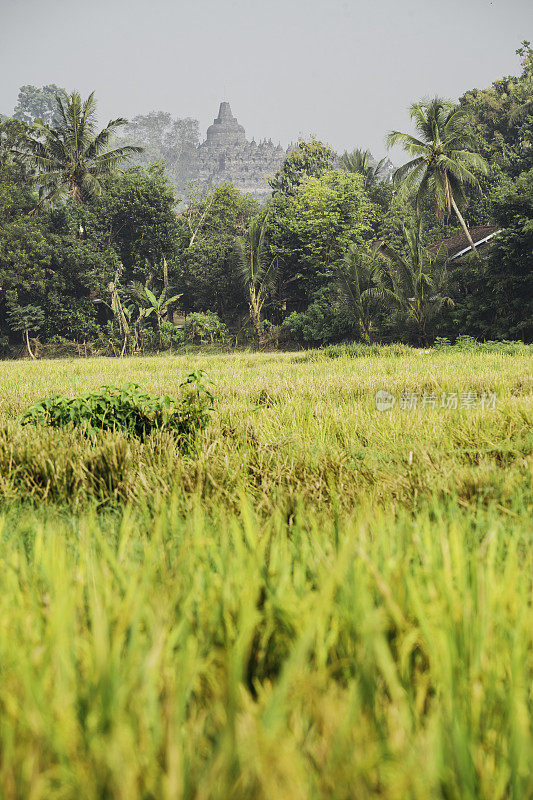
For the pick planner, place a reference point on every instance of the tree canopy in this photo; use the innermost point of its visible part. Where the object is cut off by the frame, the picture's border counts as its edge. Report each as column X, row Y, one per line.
column 34, row 103
column 70, row 156
column 307, row 159
column 444, row 158
column 114, row 241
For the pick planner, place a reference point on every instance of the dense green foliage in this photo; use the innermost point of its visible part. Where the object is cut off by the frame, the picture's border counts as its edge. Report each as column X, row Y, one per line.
column 206, row 266
column 502, row 118
column 307, row 159
column 413, row 284
column 84, row 269
column 494, row 299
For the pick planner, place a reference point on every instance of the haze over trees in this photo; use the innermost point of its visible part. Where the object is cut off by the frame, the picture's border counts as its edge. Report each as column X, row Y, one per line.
column 38, row 103
column 163, row 138
column 99, row 221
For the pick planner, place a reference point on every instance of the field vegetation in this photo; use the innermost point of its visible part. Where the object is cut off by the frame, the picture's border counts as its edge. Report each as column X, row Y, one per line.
column 318, row 600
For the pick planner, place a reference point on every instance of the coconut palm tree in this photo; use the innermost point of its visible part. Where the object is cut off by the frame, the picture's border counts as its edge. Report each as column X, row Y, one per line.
column 361, row 163
column 413, row 281
column 443, row 161
column 256, row 272
column 71, row 157
column 356, row 277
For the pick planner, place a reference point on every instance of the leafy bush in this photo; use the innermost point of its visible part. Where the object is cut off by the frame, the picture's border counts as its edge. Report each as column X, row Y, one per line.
column 170, row 334
column 465, row 343
column 201, row 327
column 4, row 344
column 130, row 410
column 166, row 337
column 324, row 321
column 360, row 349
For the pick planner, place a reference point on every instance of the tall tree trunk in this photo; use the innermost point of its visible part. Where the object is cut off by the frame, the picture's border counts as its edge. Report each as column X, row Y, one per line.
column 365, row 330
column 424, row 333
column 165, row 286
column 255, row 316
column 463, row 224
column 202, row 218
column 28, row 344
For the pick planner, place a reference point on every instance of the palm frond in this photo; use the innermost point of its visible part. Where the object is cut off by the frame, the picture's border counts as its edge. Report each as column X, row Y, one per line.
column 406, row 169
column 457, row 169
column 405, row 140
column 242, row 263
column 111, row 158
column 91, row 186
column 71, row 153
column 383, row 295
column 473, row 161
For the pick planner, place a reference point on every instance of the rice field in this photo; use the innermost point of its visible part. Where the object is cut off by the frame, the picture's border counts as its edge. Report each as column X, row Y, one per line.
column 324, row 600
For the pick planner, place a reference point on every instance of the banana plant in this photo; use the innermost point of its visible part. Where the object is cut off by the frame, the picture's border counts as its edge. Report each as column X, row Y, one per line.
column 159, row 306
column 135, row 322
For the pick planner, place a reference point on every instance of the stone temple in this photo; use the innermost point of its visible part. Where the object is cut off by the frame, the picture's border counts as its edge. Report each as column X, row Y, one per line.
column 227, row 156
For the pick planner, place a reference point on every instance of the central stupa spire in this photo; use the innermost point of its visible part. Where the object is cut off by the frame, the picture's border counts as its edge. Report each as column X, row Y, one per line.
column 225, row 129
column 224, row 112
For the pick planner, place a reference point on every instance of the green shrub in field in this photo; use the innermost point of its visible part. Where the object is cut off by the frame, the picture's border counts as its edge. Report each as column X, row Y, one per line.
column 129, row 409
column 468, row 344
column 360, row 349
column 201, row 327
column 323, row 322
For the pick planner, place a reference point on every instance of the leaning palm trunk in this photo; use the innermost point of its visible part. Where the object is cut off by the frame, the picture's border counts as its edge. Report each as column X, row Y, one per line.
column 463, row 225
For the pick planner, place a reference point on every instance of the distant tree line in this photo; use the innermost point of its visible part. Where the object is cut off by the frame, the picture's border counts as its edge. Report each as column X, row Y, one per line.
column 102, row 254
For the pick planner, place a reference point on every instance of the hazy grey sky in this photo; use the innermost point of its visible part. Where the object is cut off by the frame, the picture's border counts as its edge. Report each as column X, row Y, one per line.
column 343, row 70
